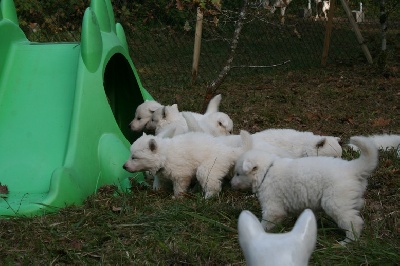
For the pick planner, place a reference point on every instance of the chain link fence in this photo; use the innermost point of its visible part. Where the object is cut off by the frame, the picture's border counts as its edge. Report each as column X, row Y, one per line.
column 161, row 34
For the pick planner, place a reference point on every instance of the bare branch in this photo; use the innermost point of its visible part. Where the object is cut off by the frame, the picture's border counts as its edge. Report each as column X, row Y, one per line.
column 212, row 87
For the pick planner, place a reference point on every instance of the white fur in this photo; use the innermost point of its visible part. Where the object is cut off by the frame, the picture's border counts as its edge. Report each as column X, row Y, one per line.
column 184, row 157
column 290, row 185
column 143, row 115
column 213, row 105
column 282, row 4
column 167, row 119
column 322, row 7
column 264, row 249
column 216, row 124
column 384, row 142
column 296, row 143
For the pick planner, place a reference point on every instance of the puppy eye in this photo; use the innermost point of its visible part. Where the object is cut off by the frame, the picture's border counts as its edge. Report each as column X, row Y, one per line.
column 255, row 168
column 132, row 157
column 139, row 118
column 220, row 124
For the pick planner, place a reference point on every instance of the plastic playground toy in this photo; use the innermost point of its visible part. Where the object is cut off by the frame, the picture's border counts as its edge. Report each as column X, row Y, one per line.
column 64, row 113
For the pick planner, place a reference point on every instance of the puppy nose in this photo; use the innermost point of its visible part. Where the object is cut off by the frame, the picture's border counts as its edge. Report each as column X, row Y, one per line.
column 124, row 167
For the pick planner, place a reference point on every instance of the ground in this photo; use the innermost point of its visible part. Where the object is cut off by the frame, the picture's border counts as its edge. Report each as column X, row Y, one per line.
column 146, row 227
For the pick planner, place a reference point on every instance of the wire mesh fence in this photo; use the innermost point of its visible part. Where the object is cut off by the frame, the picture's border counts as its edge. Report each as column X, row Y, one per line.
column 161, row 34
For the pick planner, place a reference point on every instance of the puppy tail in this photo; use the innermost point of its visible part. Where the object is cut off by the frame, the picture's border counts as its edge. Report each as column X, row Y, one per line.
column 368, row 160
column 192, row 124
column 247, row 140
column 213, row 105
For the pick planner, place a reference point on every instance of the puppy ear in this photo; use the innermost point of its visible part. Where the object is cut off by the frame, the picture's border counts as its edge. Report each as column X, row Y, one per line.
column 247, row 166
column 339, row 140
column 152, row 145
column 320, row 143
column 154, row 107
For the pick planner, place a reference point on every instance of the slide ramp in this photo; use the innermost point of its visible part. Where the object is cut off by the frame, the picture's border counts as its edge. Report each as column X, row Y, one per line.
column 64, row 113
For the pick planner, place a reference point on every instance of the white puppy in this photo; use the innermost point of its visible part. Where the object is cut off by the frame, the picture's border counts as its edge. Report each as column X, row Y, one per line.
column 143, row 115
column 291, row 248
column 184, row 157
column 166, row 119
column 213, row 105
column 384, row 142
column 291, row 185
column 296, row 143
column 216, row 124
column 302, row 143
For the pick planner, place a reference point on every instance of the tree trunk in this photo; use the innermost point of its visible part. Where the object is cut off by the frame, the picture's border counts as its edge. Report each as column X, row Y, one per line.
column 383, row 21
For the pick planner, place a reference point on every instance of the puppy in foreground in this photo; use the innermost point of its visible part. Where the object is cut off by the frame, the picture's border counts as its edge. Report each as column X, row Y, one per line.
column 285, row 185
column 291, row 248
column 184, row 157
column 143, row 115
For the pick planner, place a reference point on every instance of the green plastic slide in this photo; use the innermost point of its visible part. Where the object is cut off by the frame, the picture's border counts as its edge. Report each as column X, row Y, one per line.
column 64, row 113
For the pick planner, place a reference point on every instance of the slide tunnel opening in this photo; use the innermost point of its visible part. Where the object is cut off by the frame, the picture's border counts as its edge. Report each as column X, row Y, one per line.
column 123, row 93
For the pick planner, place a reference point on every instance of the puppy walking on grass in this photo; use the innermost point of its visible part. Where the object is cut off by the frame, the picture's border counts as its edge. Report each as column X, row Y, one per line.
column 187, row 156
column 287, row 185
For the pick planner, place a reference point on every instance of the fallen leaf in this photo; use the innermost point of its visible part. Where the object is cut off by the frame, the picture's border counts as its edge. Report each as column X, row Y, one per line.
column 179, row 5
column 381, row 122
column 116, row 209
column 313, row 116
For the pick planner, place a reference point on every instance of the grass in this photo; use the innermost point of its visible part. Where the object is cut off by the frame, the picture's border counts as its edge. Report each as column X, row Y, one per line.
column 146, row 227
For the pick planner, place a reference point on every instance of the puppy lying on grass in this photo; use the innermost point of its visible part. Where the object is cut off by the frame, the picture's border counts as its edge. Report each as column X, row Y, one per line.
column 291, row 248
column 285, row 185
column 184, row 157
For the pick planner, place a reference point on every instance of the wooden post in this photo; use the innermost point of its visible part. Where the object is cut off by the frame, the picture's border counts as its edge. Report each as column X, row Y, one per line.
column 328, row 32
column 357, row 31
column 197, row 43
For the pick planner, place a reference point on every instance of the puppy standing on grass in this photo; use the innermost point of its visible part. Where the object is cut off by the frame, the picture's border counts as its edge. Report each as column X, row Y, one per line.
column 384, row 142
column 143, row 115
column 168, row 118
column 216, row 124
column 184, row 157
column 145, row 111
column 287, row 185
column 296, row 143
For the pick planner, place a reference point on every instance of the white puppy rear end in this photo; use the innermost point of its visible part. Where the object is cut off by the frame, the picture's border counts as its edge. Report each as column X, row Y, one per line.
column 286, row 186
